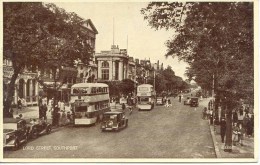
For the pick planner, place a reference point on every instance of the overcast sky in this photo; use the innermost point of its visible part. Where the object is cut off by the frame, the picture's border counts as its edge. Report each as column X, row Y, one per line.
column 143, row 42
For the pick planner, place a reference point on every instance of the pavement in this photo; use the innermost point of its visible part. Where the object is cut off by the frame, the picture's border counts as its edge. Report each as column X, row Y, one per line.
column 238, row 151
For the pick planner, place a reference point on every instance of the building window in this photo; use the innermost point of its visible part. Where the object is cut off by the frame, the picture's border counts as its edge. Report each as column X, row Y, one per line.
column 105, row 64
column 105, row 74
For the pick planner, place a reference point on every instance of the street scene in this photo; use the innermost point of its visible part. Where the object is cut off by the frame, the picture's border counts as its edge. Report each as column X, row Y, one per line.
column 173, row 82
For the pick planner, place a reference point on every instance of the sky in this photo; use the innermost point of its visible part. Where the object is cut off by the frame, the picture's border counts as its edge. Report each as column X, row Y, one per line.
column 131, row 31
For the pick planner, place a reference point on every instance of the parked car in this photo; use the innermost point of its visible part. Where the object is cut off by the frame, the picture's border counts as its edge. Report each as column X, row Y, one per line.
column 15, row 132
column 159, row 101
column 194, row 102
column 187, row 102
column 113, row 121
column 38, row 127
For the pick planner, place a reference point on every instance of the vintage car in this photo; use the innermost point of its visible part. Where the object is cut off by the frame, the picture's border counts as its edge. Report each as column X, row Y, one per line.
column 15, row 132
column 113, row 121
column 159, row 101
column 187, row 102
column 194, row 102
column 38, row 127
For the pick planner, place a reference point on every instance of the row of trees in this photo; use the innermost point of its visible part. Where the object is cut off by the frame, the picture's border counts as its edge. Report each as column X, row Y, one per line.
column 43, row 35
column 165, row 80
column 216, row 39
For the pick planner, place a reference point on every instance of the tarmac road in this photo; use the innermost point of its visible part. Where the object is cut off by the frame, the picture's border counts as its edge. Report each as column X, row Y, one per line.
column 173, row 132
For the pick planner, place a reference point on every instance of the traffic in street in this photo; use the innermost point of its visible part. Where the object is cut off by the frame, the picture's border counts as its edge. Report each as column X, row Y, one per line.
column 164, row 132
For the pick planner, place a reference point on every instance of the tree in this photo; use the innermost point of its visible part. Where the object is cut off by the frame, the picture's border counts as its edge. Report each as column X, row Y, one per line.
column 127, row 86
column 43, row 35
column 211, row 37
column 216, row 39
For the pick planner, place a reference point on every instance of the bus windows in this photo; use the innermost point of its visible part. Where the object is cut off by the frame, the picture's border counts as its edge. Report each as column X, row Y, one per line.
column 84, row 90
column 75, row 91
column 143, row 89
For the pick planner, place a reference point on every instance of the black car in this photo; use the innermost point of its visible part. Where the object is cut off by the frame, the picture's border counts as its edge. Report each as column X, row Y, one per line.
column 194, row 102
column 15, row 132
column 38, row 127
column 113, row 121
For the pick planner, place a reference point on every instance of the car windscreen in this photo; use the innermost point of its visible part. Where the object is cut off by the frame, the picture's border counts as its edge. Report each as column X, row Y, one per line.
column 110, row 117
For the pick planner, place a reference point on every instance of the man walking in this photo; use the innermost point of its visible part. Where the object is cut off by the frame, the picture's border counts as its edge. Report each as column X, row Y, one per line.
column 223, row 129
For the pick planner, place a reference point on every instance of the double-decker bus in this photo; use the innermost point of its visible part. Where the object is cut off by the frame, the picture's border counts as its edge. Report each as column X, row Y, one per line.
column 88, row 102
column 145, row 97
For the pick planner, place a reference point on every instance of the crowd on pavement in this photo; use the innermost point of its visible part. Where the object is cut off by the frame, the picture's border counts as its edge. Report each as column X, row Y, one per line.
column 242, row 123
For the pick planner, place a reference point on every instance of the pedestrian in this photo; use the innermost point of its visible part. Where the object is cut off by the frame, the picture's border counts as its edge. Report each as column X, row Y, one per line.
column 235, row 117
column 130, row 110
column 223, row 129
column 204, row 113
column 62, row 106
column 211, row 117
column 44, row 111
column 180, row 98
column 55, row 116
column 169, row 103
column 19, row 104
column 50, row 104
column 240, row 115
column 11, row 113
column 123, row 107
column 240, row 134
column 235, row 134
column 250, row 127
column 63, row 118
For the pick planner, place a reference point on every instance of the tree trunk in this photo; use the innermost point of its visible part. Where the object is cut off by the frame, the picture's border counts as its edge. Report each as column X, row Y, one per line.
column 228, row 143
column 10, row 94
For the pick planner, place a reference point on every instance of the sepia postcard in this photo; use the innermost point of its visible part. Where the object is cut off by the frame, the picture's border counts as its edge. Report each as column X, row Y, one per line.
column 129, row 81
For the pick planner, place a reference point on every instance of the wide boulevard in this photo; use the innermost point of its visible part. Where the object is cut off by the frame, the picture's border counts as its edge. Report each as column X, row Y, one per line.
column 164, row 132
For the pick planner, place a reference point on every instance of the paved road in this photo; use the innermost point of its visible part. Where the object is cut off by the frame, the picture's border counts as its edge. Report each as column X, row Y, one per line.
column 173, row 132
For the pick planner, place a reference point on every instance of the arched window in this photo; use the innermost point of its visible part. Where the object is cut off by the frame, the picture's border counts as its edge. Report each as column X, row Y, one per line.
column 105, row 64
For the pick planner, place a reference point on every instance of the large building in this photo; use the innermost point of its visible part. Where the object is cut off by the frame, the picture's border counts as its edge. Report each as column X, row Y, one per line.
column 117, row 65
column 114, row 65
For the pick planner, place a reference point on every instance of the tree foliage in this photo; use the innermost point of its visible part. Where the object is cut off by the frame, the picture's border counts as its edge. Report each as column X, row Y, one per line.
column 214, row 38
column 43, row 35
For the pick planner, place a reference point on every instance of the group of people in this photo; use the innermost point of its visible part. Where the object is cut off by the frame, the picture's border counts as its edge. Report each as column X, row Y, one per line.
column 129, row 107
column 57, row 110
column 167, row 102
column 242, row 122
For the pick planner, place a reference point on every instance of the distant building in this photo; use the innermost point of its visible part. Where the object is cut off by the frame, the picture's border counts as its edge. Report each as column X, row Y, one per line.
column 112, row 65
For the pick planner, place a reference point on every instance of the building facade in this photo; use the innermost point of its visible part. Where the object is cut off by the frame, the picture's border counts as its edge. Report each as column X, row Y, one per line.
column 113, row 65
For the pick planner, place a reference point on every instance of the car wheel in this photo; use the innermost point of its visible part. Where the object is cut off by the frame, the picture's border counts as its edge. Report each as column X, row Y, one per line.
column 35, row 134
column 48, row 130
column 16, row 145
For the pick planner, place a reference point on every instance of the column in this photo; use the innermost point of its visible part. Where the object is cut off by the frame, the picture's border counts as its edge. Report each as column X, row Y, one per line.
column 110, row 70
column 24, row 89
column 31, row 91
column 99, row 70
column 15, row 94
column 37, row 90
column 120, row 71
column 114, row 70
